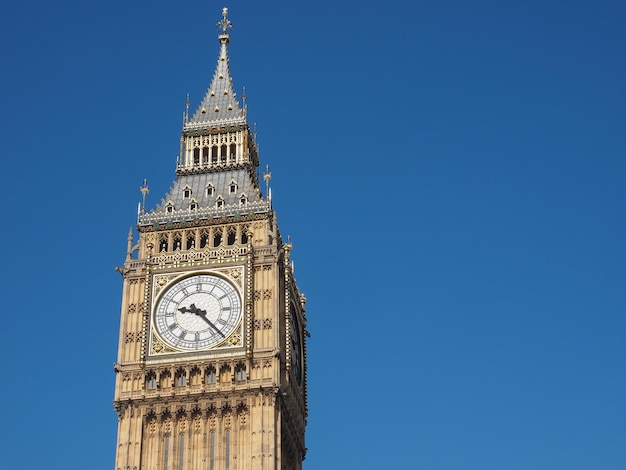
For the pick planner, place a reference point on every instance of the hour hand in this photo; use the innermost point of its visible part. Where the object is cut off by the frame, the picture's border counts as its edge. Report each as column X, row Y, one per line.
column 192, row 309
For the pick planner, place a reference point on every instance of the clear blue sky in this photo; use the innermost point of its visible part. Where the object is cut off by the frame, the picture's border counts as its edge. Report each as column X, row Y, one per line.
column 452, row 175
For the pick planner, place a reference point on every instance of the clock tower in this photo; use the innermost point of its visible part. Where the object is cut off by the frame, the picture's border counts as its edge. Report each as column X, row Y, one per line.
column 211, row 368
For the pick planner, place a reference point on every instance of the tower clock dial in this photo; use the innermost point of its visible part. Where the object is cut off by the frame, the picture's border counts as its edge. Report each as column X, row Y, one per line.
column 197, row 312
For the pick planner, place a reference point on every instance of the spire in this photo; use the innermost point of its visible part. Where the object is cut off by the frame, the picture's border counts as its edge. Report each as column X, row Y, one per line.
column 220, row 103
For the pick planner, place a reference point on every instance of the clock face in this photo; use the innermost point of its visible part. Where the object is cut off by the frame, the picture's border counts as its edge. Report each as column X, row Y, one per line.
column 296, row 346
column 197, row 312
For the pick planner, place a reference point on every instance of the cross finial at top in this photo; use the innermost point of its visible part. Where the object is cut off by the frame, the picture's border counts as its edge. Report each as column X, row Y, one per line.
column 225, row 24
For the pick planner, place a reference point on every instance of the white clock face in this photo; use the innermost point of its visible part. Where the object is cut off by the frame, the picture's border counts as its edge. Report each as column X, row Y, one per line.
column 197, row 312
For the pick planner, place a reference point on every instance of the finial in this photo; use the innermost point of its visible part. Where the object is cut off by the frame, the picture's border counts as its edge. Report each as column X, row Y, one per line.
column 267, row 176
column 244, row 99
column 144, row 190
column 129, row 249
column 224, row 26
column 187, row 104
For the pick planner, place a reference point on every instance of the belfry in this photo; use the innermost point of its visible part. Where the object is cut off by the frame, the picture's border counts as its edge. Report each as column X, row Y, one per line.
column 211, row 367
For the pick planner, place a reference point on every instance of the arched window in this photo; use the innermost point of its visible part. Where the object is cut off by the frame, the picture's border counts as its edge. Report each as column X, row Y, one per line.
column 212, row 450
column 240, row 373
column 217, row 238
column 166, row 451
column 181, row 378
column 162, row 243
column 210, row 190
column 204, row 238
column 205, row 155
column 232, row 236
column 211, row 376
column 227, row 456
column 151, row 381
column 181, row 452
column 177, row 241
column 196, row 156
column 191, row 241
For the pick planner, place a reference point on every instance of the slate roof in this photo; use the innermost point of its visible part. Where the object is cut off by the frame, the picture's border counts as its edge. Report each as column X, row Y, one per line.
column 220, row 181
column 220, row 101
column 206, row 204
column 219, row 107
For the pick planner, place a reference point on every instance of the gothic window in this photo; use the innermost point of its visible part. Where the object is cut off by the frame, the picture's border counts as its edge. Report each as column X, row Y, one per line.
column 196, row 156
column 204, row 238
column 162, row 243
column 181, row 378
column 210, row 375
column 170, row 208
column 210, row 190
column 177, row 241
column 233, row 150
column 217, row 238
column 214, row 154
column 240, row 372
column 193, row 206
column 232, row 236
column 205, row 155
column 219, row 202
column 187, row 192
column 243, row 200
column 181, row 449
column 191, row 241
column 151, row 381
column 227, row 457
column 223, row 149
column 212, row 451
column 166, row 452
column 244, row 235
column 233, row 186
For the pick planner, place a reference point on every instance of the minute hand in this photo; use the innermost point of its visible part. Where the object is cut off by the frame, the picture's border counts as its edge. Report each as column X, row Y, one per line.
column 202, row 314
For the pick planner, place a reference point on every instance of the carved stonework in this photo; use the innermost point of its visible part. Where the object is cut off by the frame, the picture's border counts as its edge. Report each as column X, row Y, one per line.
column 159, row 347
column 205, row 345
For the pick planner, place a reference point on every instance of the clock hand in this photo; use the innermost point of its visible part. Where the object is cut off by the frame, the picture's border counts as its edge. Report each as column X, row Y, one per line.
column 202, row 314
column 192, row 309
column 211, row 324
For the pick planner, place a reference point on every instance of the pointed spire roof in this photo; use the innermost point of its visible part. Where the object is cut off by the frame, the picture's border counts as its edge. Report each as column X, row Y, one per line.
column 220, row 105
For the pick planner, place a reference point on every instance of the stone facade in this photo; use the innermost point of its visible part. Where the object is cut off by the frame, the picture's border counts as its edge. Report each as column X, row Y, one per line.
column 192, row 393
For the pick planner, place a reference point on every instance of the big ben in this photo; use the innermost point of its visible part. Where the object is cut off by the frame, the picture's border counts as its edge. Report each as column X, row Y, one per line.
column 211, row 368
